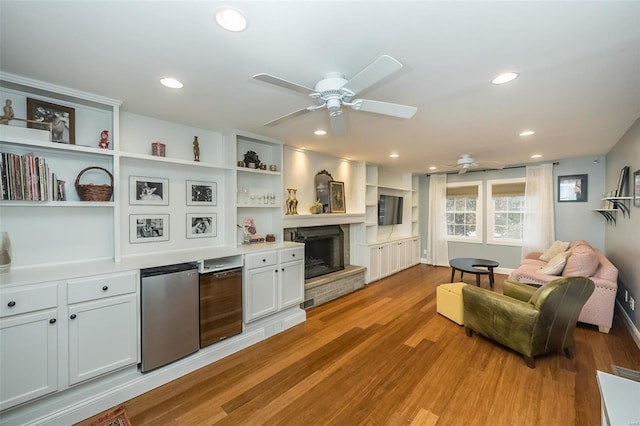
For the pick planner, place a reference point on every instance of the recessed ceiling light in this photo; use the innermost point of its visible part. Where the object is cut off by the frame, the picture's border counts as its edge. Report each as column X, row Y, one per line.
column 527, row 133
column 231, row 19
column 536, row 156
column 394, row 155
column 505, row 77
column 320, row 132
column 432, row 168
column 171, row 83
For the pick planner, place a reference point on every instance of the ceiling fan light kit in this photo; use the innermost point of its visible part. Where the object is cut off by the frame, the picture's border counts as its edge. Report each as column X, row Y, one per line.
column 466, row 162
column 334, row 92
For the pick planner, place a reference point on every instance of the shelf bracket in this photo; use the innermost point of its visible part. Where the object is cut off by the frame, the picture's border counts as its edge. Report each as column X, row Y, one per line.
column 609, row 216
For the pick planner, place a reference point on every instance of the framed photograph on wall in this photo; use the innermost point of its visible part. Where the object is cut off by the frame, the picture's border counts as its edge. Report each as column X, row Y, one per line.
column 572, row 188
column 336, row 197
column 201, row 225
column 148, row 191
column 202, row 193
column 147, row 228
column 60, row 119
column 636, row 188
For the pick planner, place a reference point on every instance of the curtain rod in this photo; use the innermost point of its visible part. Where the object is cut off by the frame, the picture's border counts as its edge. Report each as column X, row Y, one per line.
column 555, row 163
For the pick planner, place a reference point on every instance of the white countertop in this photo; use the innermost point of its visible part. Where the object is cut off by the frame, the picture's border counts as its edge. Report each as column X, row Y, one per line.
column 620, row 400
column 48, row 273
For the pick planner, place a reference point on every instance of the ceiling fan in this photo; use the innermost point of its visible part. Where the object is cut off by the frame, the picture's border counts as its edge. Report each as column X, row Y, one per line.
column 334, row 92
column 466, row 162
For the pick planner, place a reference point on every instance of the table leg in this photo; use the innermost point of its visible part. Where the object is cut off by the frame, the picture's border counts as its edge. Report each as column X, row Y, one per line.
column 453, row 273
column 491, row 279
column 478, row 280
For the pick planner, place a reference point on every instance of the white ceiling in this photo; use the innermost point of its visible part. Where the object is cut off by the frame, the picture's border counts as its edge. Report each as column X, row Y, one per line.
column 579, row 65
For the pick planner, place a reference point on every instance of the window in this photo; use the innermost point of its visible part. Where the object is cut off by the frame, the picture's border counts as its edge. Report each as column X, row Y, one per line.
column 464, row 211
column 505, row 211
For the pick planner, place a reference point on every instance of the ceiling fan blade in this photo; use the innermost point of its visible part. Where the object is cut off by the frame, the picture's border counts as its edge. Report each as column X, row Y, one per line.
column 338, row 125
column 377, row 70
column 268, row 78
column 494, row 165
column 286, row 117
column 386, row 108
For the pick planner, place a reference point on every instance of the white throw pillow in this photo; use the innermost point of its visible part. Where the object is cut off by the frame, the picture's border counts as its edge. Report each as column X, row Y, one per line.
column 556, row 247
column 556, row 265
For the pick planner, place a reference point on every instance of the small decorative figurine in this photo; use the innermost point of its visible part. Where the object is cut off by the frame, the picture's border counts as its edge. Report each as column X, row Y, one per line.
column 196, row 149
column 8, row 112
column 104, row 139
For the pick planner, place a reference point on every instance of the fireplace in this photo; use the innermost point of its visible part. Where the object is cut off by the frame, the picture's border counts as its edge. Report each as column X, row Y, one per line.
column 323, row 248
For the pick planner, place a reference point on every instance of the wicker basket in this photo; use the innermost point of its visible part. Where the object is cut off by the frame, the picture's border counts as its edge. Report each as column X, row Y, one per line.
column 91, row 192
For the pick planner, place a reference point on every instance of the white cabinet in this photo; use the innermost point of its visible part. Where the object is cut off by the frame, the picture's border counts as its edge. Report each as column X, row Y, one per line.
column 260, row 285
column 273, row 281
column 291, row 277
column 28, row 343
column 103, row 324
column 415, row 251
column 378, row 265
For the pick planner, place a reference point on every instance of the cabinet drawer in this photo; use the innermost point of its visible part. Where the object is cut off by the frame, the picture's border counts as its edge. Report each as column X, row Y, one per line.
column 29, row 299
column 100, row 286
column 261, row 259
column 290, row 254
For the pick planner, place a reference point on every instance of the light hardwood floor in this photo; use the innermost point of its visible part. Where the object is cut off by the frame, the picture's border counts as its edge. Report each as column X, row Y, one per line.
column 383, row 356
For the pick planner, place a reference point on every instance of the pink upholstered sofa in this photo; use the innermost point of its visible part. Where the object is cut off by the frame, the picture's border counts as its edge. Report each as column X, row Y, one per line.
column 581, row 260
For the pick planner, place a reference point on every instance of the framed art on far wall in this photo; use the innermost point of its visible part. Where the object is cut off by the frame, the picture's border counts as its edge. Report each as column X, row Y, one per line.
column 201, row 225
column 573, row 188
column 60, row 118
column 336, row 197
column 636, row 188
column 146, row 228
column 148, row 191
column 202, row 193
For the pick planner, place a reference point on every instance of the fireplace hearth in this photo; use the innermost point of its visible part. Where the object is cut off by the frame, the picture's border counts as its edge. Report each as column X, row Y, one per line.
column 323, row 247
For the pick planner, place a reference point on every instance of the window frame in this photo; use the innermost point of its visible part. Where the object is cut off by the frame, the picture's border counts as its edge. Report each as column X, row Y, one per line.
column 491, row 213
column 478, row 238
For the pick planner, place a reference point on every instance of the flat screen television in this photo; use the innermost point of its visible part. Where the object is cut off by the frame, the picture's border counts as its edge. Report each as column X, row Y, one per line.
column 389, row 210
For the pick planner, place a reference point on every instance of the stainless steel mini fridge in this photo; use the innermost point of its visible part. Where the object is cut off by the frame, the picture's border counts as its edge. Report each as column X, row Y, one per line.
column 169, row 314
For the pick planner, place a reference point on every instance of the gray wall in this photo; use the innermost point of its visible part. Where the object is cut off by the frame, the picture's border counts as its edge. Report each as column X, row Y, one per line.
column 622, row 242
column 573, row 220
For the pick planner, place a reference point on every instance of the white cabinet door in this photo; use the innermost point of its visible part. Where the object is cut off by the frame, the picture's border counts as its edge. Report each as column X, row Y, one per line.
column 103, row 336
column 415, row 251
column 291, row 283
column 261, row 287
column 384, row 260
column 374, row 263
column 402, row 254
column 394, row 257
column 28, row 357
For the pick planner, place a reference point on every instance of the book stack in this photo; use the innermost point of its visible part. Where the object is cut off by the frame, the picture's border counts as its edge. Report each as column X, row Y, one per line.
column 253, row 239
column 25, row 177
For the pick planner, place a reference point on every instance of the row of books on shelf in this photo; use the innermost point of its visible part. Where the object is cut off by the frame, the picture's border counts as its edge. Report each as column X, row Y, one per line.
column 27, row 178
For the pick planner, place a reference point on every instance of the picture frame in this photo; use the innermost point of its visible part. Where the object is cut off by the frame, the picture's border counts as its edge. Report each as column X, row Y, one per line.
column 145, row 191
column 573, row 188
column 147, row 228
column 202, row 193
column 202, row 225
column 636, row 188
column 60, row 120
column 336, row 197
column 623, row 185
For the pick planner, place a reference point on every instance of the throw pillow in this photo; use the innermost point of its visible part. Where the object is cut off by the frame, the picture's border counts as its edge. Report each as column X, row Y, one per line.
column 556, row 264
column 583, row 262
column 556, row 247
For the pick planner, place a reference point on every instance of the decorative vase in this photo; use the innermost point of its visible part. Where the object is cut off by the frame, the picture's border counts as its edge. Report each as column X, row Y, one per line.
column 294, row 203
column 5, row 252
column 289, row 202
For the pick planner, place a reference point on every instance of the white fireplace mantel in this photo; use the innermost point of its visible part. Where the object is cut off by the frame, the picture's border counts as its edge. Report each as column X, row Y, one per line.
column 302, row 220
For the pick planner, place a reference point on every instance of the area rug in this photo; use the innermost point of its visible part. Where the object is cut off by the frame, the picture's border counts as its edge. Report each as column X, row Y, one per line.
column 117, row 417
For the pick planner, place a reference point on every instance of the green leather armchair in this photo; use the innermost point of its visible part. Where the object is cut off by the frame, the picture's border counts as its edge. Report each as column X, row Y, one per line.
column 530, row 320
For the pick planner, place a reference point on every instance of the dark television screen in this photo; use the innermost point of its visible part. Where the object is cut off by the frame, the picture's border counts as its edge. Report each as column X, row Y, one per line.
column 389, row 210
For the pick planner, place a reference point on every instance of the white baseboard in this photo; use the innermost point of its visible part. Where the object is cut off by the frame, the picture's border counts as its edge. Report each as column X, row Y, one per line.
column 633, row 330
column 86, row 400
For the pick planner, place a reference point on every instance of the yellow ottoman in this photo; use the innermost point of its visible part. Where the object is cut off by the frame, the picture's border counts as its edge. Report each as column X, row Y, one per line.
column 449, row 301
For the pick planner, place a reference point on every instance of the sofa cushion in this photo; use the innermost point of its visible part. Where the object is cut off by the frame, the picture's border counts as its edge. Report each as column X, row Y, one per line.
column 556, row 265
column 556, row 247
column 583, row 262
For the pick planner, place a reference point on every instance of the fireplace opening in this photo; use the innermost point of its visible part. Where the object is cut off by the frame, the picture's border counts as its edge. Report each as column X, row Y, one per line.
column 323, row 249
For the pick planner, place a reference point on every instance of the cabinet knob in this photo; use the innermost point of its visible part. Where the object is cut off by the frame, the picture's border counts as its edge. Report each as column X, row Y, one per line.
column 282, row 269
column 105, row 288
column 52, row 321
column 11, row 304
column 276, row 271
column 264, row 260
column 73, row 316
column 293, row 255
